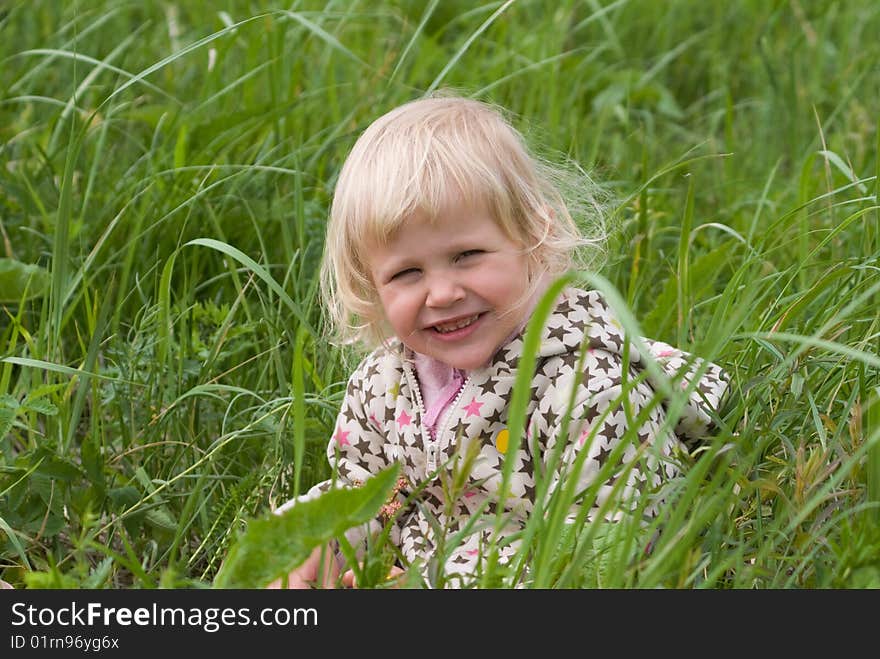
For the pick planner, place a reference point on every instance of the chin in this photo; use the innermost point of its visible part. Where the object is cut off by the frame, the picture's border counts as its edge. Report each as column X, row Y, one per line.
column 466, row 360
column 469, row 363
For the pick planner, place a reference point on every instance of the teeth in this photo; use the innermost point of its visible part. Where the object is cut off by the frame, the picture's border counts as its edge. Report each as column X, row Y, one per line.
column 451, row 327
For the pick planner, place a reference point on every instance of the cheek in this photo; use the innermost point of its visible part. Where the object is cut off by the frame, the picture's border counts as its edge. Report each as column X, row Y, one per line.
column 509, row 282
column 396, row 308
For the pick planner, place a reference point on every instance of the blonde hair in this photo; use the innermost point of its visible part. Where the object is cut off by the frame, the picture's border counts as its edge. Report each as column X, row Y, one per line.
column 415, row 158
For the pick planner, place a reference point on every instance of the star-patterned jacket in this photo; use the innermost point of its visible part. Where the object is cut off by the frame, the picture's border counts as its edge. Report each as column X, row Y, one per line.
column 380, row 422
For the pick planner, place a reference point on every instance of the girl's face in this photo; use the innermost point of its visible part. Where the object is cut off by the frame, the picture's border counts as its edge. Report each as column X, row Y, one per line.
column 453, row 289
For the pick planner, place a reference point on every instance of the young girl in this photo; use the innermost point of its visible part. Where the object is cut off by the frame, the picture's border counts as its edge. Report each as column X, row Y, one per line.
column 444, row 233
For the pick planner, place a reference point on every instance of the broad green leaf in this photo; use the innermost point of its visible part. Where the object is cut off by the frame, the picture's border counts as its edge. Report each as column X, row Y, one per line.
column 8, row 407
column 7, row 418
column 159, row 518
column 273, row 546
column 40, row 405
column 12, row 537
column 60, row 469
column 124, row 497
column 93, row 461
column 99, row 575
column 21, row 280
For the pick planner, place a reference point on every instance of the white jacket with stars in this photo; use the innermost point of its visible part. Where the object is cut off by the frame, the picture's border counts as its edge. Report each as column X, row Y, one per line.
column 380, row 422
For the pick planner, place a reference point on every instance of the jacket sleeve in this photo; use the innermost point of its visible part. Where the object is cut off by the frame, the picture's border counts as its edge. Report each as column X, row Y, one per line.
column 619, row 425
column 704, row 397
column 620, row 417
column 615, row 431
column 356, row 450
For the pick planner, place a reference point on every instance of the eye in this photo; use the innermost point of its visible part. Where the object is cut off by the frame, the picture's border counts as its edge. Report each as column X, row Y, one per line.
column 403, row 273
column 468, row 253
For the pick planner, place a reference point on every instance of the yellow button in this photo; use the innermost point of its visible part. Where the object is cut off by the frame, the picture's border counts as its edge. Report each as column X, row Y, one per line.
column 501, row 440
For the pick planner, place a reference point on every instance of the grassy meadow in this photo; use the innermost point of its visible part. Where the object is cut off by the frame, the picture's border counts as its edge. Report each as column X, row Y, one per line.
column 165, row 175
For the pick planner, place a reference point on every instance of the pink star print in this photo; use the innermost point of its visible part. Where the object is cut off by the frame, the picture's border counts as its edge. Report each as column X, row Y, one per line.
column 403, row 418
column 341, row 437
column 473, row 408
column 584, row 435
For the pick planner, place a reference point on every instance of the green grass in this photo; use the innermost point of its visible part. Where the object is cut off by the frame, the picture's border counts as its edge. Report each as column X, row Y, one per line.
column 165, row 175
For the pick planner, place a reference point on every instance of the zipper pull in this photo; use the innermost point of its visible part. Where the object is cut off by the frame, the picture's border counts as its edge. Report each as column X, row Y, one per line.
column 431, row 455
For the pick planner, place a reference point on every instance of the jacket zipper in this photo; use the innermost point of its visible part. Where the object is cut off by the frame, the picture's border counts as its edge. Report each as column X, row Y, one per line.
column 432, row 446
column 448, row 415
column 417, row 393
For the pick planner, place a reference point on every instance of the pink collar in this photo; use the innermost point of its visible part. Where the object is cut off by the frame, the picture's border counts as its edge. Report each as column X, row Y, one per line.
column 439, row 383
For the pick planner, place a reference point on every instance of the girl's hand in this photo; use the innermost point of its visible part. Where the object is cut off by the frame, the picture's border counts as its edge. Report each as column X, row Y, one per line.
column 306, row 575
column 349, row 580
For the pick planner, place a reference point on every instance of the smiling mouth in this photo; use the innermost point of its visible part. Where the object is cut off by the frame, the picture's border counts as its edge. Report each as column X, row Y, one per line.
column 446, row 328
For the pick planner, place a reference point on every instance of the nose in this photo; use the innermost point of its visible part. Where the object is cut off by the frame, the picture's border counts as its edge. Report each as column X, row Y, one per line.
column 443, row 291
